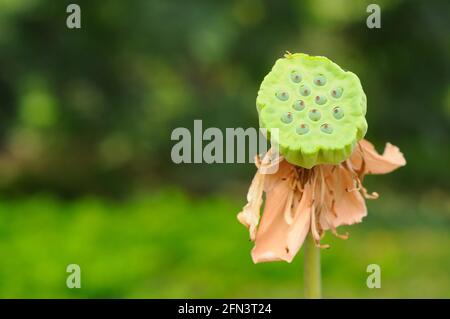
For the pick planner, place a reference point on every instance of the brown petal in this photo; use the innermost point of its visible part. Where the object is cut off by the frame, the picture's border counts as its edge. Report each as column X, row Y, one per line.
column 349, row 206
column 249, row 216
column 285, row 168
column 276, row 239
column 375, row 163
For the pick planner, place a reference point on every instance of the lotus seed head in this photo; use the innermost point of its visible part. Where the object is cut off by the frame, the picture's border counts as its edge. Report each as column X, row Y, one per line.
column 304, row 97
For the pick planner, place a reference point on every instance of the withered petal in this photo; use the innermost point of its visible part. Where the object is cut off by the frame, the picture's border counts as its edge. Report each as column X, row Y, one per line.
column 276, row 239
column 365, row 156
column 349, row 206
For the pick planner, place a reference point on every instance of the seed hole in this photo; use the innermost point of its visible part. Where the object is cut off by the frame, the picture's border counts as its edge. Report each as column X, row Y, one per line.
column 337, row 92
column 314, row 115
column 326, row 128
column 320, row 99
column 305, row 90
column 299, row 105
column 302, row 129
column 296, row 77
column 338, row 113
column 287, row 118
column 320, row 80
column 282, row 95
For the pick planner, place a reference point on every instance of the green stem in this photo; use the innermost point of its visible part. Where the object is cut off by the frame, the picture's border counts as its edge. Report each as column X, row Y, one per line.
column 312, row 281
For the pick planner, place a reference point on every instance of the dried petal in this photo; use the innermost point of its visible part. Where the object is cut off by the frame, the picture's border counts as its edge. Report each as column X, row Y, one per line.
column 366, row 157
column 249, row 216
column 349, row 206
column 276, row 239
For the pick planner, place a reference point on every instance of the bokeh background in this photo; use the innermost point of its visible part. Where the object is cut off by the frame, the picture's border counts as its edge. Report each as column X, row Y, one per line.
column 85, row 123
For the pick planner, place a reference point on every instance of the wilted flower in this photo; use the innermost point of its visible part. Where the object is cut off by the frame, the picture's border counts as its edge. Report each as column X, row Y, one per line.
column 319, row 111
column 300, row 200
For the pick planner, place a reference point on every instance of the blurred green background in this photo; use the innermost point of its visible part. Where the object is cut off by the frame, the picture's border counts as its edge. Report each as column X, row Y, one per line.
column 85, row 123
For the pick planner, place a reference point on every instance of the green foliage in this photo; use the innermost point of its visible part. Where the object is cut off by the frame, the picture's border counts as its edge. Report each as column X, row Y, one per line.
column 167, row 245
column 88, row 113
column 91, row 110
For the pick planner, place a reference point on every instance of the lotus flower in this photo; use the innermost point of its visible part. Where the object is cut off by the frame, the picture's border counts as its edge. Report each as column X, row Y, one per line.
column 314, row 113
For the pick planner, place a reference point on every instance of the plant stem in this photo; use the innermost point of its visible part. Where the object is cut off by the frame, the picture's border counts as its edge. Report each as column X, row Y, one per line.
column 312, row 281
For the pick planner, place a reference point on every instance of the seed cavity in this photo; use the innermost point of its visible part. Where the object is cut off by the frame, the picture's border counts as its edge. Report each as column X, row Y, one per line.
column 305, row 90
column 326, row 128
column 282, row 95
column 338, row 113
column 320, row 80
column 314, row 115
column 296, row 77
column 337, row 92
column 320, row 99
column 302, row 129
column 298, row 105
column 287, row 118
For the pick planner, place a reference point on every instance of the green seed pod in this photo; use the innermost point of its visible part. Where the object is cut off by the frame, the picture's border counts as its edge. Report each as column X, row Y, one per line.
column 318, row 108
